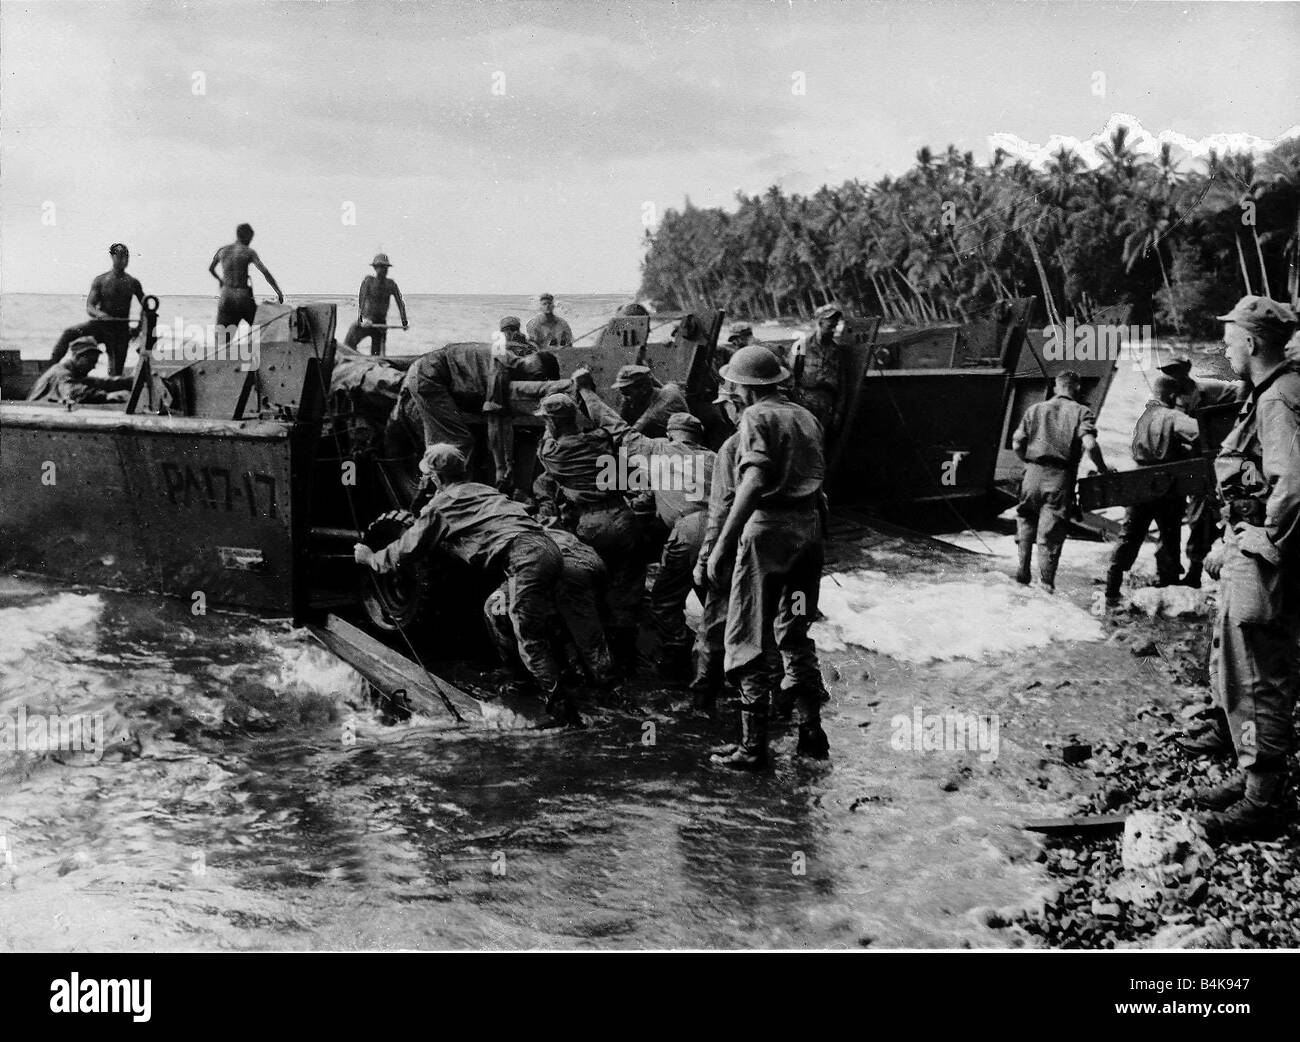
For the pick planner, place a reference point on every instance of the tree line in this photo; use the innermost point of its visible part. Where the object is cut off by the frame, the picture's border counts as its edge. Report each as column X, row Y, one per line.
column 1179, row 241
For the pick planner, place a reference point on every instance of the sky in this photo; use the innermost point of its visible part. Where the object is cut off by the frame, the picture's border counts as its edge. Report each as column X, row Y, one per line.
column 506, row 147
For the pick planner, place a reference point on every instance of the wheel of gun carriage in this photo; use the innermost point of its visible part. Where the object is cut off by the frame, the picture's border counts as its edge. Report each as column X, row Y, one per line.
column 400, row 599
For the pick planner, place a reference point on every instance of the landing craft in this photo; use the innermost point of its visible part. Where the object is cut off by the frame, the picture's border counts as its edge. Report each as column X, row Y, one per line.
column 245, row 487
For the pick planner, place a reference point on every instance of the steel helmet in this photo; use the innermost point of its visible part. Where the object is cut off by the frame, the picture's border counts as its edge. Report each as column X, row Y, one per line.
column 381, row 260
column 754, row 366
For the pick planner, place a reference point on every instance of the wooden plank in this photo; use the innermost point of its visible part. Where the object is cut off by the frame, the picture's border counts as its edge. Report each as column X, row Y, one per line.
column 429, row 694
column 1071, row 826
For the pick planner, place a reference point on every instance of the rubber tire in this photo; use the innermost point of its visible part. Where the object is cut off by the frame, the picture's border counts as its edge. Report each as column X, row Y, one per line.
column 400, row 599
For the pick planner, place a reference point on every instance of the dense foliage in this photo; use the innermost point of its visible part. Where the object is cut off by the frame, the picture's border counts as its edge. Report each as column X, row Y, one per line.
column 950, row 237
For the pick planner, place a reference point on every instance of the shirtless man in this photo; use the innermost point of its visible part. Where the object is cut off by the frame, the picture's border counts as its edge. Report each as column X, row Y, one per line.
column 236, row 299
column 109, row 306
column 372, row 307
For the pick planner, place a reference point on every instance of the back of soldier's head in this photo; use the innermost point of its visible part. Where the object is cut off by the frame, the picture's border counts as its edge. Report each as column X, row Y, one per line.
column 444, row 462
column 244, row 233
column 1067, row 382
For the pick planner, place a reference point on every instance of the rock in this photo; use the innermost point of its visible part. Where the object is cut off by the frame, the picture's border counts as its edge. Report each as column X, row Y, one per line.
column 1195, row 891
column 950, row 784
column 1185, row 935
column 1116, row 798
column 1063, row 683
column 1077, row 753
column 1105, row 909
column 832, row 673
column 1033, row 684
column 1145, row 650
column 1161, row 849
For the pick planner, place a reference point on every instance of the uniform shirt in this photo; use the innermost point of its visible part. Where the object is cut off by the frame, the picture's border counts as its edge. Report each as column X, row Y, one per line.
column 543, row 330
column 470, row 521
column 665, row 401
column 813, row 366
column 583, row 465
column 1052, row 432
column 682, row 473
column 1163, row 435
column 1206, row 391
column 59, row 384
column 1260, row 458
column 722, row 493
column 784, row 441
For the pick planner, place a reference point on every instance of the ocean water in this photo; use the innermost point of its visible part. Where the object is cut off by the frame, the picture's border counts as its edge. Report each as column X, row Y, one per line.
column 32, row 322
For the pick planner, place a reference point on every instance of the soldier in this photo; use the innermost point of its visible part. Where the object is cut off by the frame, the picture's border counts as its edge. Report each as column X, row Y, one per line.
column 1163, row 435
column 109, row 306
column 645, row 403
column 513, row 340
column 680, row 486
column 546, row 329
column 1051, row 439
column 709, row 646
column 69, row 380
column 577, row 603
column 1254, row 654
column 1202, row 514
column 487, row 530
column 236, row 302
column 372, row 307
column 816, row 368
column 580, row 463
column 775, row 530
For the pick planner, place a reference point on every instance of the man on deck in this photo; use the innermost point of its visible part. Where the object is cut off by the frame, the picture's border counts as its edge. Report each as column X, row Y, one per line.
column 488, row 530
column 1202, row 515
column 1051, row 440
column 816, row 367
column 775, row 531
column 1255, row 651
column 547, row 329
column 644, row 403
column 372, row 307
column 578, row 463
column 236, row 302
column 109, row 306
column 1163, row 435
column 69, row 381
column 680, row 470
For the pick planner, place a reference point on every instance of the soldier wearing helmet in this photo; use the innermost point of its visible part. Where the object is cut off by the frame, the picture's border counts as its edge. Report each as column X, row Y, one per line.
column 774, row 531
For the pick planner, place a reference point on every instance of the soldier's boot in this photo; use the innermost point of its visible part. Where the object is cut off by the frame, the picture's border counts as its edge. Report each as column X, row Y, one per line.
column 1049, row 557
column 561, row 708
column 783, row 700
column 707, row 684
column 751, row 753
column 1026, row 551
column 1214, row 740
column 1259, row 814
column 1114, row 580
column 812, row 739
column 1193, row 576
column 1220, row 797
